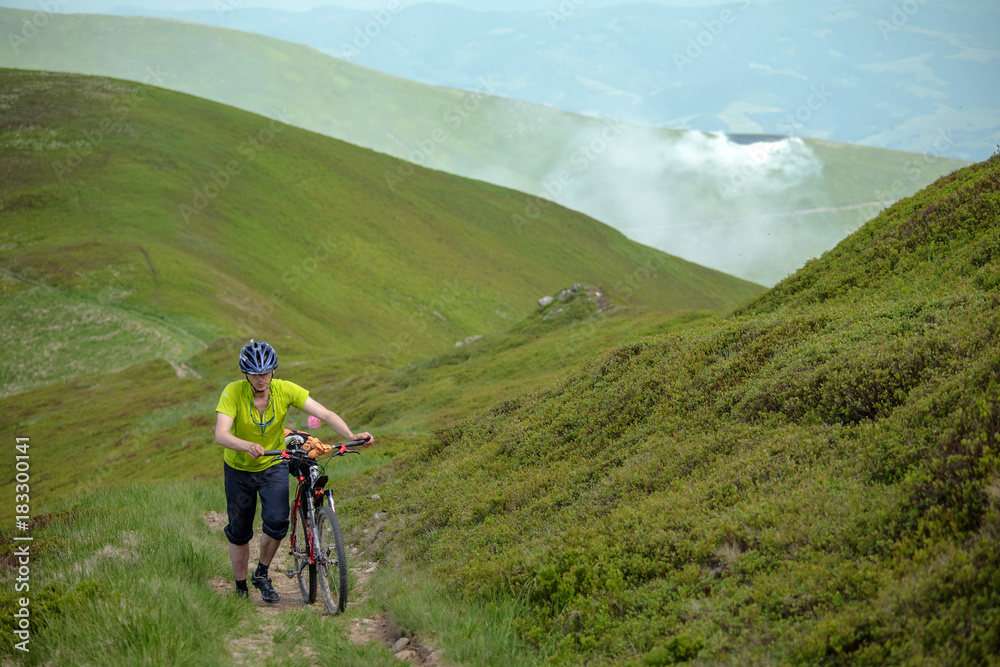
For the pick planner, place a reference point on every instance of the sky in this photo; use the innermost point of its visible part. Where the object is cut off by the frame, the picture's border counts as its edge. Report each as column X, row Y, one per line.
column 100, row 6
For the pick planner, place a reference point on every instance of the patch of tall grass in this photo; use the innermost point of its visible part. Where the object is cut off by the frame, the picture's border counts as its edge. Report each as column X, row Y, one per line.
column 121, row 577
column 126, row 576
column 480, row 632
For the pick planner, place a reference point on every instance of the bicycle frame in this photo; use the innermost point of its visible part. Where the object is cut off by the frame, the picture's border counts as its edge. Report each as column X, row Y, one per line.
column 305, row 489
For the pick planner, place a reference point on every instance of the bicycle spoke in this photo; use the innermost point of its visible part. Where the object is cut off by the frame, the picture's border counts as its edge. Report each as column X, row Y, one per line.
column 305, row 572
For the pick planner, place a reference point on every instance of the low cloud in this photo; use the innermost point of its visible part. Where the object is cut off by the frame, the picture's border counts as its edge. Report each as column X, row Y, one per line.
column 714, row 200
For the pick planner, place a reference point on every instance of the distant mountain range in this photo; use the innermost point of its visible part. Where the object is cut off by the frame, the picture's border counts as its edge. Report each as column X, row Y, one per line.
column 754, row 206
column 922, row 77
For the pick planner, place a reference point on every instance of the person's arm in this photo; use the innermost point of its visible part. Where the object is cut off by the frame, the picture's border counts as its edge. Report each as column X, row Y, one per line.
column 313, row 408
column 223, row 436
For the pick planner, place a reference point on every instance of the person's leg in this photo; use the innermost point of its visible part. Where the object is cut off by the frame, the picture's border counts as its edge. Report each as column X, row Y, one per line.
column 268, row 547
column 241, row 505
column 239, row 556
column 273, row 490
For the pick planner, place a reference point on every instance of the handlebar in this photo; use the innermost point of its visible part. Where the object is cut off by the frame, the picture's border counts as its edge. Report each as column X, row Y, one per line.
column 296, row 452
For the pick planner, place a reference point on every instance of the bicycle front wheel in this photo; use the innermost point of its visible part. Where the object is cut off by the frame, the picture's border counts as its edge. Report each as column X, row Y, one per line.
column 331, row 561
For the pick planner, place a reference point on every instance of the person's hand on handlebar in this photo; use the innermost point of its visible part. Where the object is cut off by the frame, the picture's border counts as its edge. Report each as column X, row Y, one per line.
column 367, row 437
column 255, row 450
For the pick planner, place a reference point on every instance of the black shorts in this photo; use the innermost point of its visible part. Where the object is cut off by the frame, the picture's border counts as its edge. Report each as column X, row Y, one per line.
column 242, row 489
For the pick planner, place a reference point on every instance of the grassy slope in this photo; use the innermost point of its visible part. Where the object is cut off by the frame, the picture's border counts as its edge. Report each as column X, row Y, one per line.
column 159, row 222
column 428, row 393
column 160, row 425
column 813, row 480
column 512, row 143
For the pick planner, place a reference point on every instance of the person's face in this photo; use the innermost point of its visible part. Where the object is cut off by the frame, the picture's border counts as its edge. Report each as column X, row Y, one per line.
column 260, row 382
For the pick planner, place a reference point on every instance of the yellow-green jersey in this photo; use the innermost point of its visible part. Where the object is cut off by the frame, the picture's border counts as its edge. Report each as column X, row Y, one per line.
column 267, row 429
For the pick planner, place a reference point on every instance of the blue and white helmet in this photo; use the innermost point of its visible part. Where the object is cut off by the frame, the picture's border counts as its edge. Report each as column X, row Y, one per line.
column 258, row 358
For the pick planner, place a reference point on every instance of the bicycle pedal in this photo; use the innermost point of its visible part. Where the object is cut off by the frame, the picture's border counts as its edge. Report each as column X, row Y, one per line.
column 290, row 572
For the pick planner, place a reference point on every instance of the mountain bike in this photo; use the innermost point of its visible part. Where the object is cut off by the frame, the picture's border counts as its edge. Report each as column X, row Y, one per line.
column 316, row 545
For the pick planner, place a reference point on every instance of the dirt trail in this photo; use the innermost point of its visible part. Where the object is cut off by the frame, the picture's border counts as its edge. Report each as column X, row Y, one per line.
column 254, row 649
column 257, row 648
column 381, row 628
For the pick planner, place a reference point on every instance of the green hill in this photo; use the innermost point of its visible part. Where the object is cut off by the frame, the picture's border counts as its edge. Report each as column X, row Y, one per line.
column 810, row 480
column 748, row 211
column 141, row 223
column 813, row 480
column 428, row 393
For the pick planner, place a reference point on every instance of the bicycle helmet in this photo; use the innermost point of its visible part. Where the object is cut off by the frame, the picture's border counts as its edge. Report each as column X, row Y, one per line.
column 258, row 358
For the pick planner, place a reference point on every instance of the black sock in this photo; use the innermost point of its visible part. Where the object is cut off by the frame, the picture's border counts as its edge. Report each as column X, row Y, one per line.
column 242, row 586
column 261, row 570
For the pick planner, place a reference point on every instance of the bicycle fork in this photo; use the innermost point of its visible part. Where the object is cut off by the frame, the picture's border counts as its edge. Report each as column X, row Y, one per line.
column 312, row 533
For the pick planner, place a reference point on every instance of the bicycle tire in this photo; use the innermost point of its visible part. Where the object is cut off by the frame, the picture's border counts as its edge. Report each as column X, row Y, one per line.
column 332, row 568
column 305, row 572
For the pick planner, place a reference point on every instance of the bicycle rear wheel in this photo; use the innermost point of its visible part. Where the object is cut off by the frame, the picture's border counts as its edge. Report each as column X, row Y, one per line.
column 300, row 555
column 332, row 561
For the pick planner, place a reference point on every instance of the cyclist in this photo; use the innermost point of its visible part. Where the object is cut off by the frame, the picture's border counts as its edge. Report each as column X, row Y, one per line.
column 250, row 419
